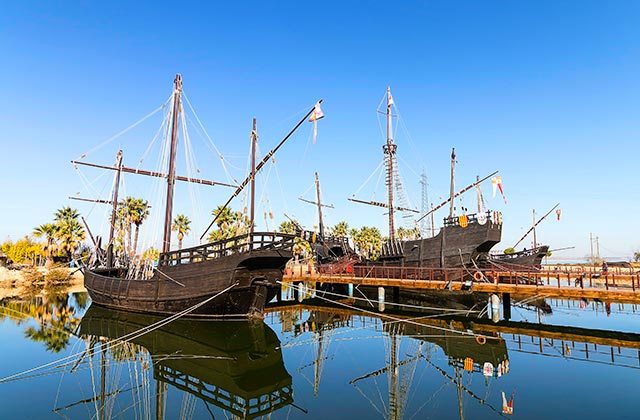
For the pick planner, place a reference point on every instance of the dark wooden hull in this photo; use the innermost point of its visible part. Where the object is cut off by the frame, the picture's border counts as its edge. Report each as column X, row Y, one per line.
column 455, row 245
column 240, row 364
column 175, row 288
column 522, row 260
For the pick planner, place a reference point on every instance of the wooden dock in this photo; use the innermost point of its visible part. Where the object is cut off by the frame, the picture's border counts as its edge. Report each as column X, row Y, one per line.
column 543, row 283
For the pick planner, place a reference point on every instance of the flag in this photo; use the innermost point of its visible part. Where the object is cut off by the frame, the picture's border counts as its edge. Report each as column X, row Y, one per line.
column 389, row 97
column 496, row 182
column 315, row 116
column 558, row 213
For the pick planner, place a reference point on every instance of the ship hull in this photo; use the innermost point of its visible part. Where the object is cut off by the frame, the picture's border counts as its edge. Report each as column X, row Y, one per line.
column 251, row 279
column 454, row 245
column 520, row 260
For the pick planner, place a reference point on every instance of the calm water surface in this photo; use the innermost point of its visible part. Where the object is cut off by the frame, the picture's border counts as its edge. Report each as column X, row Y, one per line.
column 556, row 359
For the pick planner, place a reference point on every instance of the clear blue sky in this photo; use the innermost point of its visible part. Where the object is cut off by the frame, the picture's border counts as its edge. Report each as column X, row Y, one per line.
column 546, row 92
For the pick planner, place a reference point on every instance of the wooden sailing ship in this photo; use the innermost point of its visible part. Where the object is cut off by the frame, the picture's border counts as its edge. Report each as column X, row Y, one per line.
column 229, row 278
column 462, row 241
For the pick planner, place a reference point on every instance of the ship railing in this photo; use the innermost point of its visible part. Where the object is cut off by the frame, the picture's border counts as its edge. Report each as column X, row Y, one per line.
column 257, row 241
column 494, row 217
column 241, row 406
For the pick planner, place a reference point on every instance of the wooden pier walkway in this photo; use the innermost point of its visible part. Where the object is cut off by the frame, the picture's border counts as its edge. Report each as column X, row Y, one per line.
column 542, row 283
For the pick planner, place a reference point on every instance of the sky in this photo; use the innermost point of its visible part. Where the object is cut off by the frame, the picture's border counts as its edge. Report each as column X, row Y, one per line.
column 545, row 92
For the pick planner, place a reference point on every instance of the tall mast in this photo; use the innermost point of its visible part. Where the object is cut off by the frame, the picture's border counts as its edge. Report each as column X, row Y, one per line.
column 390, row 150
column 319, row 203
column 535, row 240
column 433, row 222
column 254, row 141
column 114, row 209
column 424, row 200
column 171, row 175
column 453, row 181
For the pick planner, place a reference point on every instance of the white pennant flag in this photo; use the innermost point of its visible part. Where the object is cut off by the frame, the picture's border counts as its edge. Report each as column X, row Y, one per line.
column 315, row 116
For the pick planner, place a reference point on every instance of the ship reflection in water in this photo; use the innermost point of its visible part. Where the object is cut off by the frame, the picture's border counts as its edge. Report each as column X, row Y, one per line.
column 234, row 365
column 320, row 359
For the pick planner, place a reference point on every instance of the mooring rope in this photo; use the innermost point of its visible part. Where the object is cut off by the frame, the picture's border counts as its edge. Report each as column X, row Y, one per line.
column 131, row 336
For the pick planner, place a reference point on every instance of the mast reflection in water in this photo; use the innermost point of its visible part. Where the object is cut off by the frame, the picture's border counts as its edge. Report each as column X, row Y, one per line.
column 341, row 361
column 234, row 365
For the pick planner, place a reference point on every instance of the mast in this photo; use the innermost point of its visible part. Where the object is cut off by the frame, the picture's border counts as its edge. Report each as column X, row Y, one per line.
column 433, row 222
column 535, row 223
column 453, row 182
column 171, row 175
column 390, row 150
column 260, row 164
column 319, row 203
column 535, row 241
column 254, row 141
column 424, row 204
column 114, row 201
column 114, row 209
column 479, row 194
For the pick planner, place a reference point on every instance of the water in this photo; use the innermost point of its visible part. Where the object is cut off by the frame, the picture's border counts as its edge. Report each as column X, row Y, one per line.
column 320, row 362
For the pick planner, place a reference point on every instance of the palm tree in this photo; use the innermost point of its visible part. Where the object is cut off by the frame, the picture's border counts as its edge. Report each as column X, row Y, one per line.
column 70, row 235
column 66, row 213
column 49, row 232
column 341, row 229
column 368, row 240
column 137, row 212
column 181, row 225
column 70, row 232
column 230, row 224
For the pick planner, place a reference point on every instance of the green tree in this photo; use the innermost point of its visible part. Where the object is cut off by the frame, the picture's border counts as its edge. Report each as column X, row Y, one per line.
column 137, row 212
column 23, row 251
column 341, row 229
column 230, row 224
column 636, row 256
column 49, row 232
column 301, row 248
column 368, row 240
column 181, row 225
column 408, row 234
column 70, row 232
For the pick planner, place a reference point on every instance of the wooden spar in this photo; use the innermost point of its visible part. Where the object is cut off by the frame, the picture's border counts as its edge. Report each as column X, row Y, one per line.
column 295, row 223
column 171, row 175
column 155, row 174
column 315, row 203
column 254, row 141
column 535, row 238
column 479, row 195
column 90, row 200
column 319, row 203
column 264, row 160
column 389, row 150
column 535, row 224
column 380, row 204
column 114, row 200
column 453, row 182
column 93, row 240
column 462, row 191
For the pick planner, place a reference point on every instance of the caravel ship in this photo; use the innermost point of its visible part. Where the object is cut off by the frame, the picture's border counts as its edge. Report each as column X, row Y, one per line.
column 229, row 278
column 463, row 241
